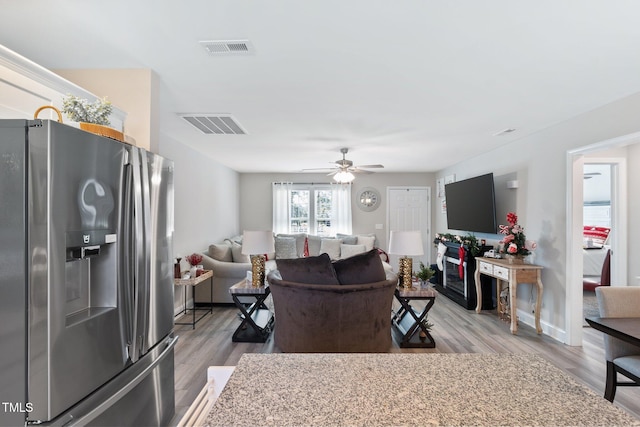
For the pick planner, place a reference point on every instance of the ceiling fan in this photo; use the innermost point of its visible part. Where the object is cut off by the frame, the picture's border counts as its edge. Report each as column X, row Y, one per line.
column 344, row 169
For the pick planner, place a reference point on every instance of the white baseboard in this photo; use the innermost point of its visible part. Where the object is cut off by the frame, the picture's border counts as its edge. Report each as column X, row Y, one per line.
column 547, row 329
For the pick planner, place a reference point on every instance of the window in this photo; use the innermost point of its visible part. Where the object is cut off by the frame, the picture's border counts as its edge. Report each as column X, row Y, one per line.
column 311, row 211
column 321, row 210
column 300, row 212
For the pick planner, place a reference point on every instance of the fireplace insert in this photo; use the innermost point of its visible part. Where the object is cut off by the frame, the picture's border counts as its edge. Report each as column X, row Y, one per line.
column 457, row 282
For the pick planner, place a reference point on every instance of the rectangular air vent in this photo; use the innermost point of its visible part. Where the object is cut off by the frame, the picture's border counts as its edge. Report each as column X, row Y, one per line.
column 222, row 47
column 219, row 124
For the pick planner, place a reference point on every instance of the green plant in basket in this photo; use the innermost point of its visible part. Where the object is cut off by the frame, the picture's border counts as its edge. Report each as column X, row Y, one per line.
column 81, row 110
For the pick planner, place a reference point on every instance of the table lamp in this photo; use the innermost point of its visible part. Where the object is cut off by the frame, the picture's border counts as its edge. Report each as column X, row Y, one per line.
column 256, row 244
column 406, row 244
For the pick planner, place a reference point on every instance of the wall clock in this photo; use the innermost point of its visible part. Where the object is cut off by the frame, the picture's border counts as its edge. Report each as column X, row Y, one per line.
column 368, row 199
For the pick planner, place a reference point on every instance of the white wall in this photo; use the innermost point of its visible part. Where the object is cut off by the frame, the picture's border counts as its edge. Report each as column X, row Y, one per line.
column 539, row 163
column 206, row 202
column 206, row 198
column 256, row 209
column 633, row 205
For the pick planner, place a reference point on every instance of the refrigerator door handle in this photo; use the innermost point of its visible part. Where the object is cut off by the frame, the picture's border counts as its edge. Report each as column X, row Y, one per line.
column 139, row 252
column 143, row 288
column 127, row 262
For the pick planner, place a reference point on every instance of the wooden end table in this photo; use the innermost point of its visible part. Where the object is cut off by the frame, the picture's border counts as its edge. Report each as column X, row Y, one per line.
column 408, row 321
column 193, row 282
column 257, row 319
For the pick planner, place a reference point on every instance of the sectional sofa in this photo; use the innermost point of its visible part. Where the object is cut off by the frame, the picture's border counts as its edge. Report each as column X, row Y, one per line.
column 230, row 266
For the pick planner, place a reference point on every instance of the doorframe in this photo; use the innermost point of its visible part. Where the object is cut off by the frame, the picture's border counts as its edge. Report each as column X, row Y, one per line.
column 574, row 231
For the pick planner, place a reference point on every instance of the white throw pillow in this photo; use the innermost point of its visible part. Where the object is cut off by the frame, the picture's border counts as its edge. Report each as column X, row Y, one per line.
column 367, row 241
column 286, row 248
column 331, row 247
column 236, row 252
column 347, row 251
column 314, row 245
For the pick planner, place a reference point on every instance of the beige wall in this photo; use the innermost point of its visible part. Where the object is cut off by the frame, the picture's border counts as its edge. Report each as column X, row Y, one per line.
column 133, row 90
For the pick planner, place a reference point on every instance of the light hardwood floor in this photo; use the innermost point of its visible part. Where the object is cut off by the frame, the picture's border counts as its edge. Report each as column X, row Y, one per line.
column 455, row 330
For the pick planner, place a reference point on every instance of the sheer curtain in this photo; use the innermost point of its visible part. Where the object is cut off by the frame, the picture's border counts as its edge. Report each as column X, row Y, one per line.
column 341, row 208
column 281, row 206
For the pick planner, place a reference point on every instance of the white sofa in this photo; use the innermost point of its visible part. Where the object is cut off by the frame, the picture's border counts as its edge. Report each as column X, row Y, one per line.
column 230, row 266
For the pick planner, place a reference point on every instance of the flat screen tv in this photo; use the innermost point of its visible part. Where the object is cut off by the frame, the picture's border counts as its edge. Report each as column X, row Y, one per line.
column 471, row 204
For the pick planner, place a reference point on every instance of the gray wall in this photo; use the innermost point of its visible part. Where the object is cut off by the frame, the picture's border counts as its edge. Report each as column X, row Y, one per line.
column 256, row 209
column 539, row 163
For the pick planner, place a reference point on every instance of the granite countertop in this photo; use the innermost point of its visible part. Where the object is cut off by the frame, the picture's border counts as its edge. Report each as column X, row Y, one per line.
column 407, row 389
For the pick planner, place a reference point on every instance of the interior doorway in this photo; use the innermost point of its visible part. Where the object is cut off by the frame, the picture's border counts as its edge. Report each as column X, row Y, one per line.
column 575, row 216
column 597, row 219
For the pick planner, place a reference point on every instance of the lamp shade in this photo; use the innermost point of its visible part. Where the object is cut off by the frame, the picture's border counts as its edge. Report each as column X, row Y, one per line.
column 257, row 242
column 406, row 243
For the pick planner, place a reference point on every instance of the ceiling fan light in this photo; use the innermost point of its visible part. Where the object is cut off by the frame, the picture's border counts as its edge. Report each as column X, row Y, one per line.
column 343, row 177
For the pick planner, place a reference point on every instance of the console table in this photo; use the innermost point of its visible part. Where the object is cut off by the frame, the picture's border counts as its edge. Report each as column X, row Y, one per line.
column 193, row 282
column 408, row 321
column 513, row 274
column 257, row 319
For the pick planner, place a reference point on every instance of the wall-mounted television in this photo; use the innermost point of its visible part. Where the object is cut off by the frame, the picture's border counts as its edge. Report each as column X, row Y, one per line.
column 471, row 204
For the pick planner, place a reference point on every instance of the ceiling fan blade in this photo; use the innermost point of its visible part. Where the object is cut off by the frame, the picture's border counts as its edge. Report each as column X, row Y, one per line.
column 363, row 171
column 320, row 169
column 369, row 166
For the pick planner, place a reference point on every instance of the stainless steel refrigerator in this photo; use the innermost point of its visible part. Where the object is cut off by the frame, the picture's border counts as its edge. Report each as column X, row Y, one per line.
column 86, row 288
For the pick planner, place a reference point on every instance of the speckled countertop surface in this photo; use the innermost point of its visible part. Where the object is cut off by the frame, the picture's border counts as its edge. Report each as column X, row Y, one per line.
column 407, row 389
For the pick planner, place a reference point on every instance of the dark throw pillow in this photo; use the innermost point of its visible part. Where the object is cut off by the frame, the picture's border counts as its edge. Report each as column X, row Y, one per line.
column 362, row 268
column 310, row 270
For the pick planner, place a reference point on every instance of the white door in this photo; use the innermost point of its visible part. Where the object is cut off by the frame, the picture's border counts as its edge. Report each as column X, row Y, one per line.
column 409, row 208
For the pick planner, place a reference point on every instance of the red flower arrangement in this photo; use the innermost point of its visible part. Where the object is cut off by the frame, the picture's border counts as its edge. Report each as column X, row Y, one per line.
column 194, row 259
column 514, row 241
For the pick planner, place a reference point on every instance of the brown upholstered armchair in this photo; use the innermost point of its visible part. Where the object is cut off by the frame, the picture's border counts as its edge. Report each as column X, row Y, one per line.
column 337, row 307
column 314, row 318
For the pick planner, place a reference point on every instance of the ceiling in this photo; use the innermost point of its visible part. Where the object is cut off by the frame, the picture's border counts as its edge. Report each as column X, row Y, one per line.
column 414, row 85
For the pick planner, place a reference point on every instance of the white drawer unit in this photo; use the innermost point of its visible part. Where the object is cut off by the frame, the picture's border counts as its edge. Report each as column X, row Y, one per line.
column 501, row 272
column 494, row 270
column 486, row 268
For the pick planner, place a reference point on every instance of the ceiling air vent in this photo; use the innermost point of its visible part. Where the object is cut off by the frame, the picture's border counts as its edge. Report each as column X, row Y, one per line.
column 220, row 124
column 222, row 47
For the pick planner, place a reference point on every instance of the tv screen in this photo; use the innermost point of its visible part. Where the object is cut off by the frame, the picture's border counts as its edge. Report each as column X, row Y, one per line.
column 471, row 204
